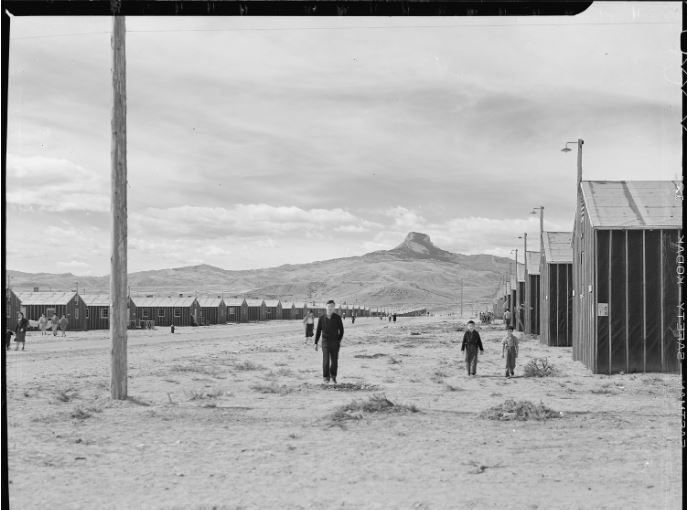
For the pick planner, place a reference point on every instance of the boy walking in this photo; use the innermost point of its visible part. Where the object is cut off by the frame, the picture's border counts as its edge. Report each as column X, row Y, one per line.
column 471, row 344
column 309, row 322
column 510, row 346
column 331, row 327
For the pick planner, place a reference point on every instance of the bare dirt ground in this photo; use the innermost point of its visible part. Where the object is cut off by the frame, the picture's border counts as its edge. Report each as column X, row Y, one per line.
column 235, row 416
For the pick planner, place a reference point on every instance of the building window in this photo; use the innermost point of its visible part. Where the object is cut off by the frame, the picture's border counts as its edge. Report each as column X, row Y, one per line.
column 104, row 313
column 231, row 310
column 76, row 313
column 177, row 312
column 145, row 313
column 161, row 312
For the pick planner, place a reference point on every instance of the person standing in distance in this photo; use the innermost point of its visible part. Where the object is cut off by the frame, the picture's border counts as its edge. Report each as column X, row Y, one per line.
column 20, row 331
column 331, row 327
column 309, row 322
column 471, row 343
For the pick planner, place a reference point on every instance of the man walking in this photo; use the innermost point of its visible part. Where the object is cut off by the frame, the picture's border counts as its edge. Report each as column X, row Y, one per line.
column 331, row 327
column 471, row 343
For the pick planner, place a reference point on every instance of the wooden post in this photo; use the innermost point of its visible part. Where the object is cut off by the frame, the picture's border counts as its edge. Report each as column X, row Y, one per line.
column 462, row 298
column 118, row 262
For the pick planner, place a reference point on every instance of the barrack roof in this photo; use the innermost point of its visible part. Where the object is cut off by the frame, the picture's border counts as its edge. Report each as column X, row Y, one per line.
column 557, row 247
column 45, row 298
column 632, row 204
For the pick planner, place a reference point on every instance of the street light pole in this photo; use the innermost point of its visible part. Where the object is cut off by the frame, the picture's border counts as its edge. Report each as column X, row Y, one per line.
column 526, row 300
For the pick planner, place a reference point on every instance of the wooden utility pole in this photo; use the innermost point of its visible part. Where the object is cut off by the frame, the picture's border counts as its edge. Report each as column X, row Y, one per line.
column 462, row 298
column 118, row 261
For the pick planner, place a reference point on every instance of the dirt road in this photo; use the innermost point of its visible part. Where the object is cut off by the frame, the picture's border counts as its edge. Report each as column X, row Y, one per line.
column 236, row 417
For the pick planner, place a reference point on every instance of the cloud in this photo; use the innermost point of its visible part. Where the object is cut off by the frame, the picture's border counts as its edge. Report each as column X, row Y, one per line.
column 242, row 220
column 55, row 184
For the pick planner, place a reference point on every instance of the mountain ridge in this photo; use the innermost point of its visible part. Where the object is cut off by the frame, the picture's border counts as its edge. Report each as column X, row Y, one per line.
column 415, row 272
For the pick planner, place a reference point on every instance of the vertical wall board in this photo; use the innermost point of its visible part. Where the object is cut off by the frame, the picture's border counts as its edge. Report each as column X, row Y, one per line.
column 653, row 361
column 635, row 301
column 671, row 300
column 602, row 255
column 617, row 307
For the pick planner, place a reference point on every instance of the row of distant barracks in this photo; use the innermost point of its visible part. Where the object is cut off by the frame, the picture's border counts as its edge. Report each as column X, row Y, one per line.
column 91, row 311
column 611, row 288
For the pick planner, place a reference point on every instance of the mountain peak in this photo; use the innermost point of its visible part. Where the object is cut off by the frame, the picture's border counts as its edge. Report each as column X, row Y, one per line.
column 418, row 243
column 419, row 246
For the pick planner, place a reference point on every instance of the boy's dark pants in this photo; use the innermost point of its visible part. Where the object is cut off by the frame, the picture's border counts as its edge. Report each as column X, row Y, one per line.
column 330, row 351
column 471, row 359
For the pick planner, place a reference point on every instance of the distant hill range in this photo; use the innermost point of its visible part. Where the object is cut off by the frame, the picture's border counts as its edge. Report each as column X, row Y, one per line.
column 415, row 273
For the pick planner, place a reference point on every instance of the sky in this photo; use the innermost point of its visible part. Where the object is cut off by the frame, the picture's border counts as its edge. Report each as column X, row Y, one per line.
column 256, row 142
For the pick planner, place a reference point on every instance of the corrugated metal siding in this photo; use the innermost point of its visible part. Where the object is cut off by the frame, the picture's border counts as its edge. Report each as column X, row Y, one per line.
column 633, row 273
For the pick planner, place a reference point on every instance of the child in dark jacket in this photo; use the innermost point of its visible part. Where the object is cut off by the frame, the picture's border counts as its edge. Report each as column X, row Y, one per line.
column 471, row 344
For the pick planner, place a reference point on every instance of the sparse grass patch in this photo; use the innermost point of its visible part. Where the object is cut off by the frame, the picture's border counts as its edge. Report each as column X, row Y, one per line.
column 451, row 387
column 138, row 401
column 394, row 361
column 357, row 386
column 284, row 372
column 205, row 394
column 603, row 391
column 66, row 394
column 82, row 413
column 376, row 404
column 539, row 367
column 272, row 388
column 248, row 365
column 521, row 410
column 370, row 356
column 198, row 369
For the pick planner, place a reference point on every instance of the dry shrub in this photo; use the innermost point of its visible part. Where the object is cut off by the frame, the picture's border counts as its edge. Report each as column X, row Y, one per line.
column 82, row 413
column 248, row 365
column 376, row 404
column 454, row 388
column 66, row 395
column 370, row 356
column 358, row 386
column 521, row 410
column 272, row 388
column 539, row 367
column 204, row 394
column 394, row 361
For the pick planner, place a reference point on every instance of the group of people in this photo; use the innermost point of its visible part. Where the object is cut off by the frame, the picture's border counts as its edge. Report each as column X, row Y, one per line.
column 44, row 325
column 331, row 329
column 486, row 317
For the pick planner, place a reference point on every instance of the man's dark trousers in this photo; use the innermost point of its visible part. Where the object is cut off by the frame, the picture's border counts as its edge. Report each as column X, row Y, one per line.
column 330, row 351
